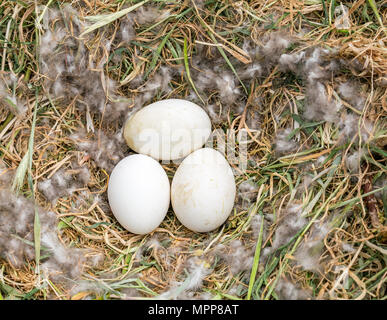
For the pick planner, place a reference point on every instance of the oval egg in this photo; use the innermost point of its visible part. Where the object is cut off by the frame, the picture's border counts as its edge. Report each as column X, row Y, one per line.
column 168, row 129
column 203, row 190
column 139, row 193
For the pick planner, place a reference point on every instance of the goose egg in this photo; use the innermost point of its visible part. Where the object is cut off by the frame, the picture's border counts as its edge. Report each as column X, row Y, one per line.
column 139, row 193
column 168, row 129
column 203, row 190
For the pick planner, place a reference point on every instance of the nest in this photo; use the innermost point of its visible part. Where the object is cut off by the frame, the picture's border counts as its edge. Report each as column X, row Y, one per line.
column 307, row 94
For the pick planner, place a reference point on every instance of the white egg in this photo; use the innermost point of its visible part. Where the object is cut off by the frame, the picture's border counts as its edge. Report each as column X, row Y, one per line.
column 203, row 190
column 168, row 129
column 139, row 193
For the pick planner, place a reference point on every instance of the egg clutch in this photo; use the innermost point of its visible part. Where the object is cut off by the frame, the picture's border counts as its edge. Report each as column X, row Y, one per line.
column 203, row 188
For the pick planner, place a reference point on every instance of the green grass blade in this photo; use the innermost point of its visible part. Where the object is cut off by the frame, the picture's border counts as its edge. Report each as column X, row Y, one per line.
column 356, row 199
column 228, row 62
column 21, row 171
column 256, row 260
column 31, row 185
column 43, row 12
column 103, row 20
column 31, row 149
column 376, row 12
column 158, row 53
column 332, row 11
column 185, row 50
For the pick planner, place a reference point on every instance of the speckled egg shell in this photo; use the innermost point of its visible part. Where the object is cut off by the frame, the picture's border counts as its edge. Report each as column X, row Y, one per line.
column 203, row 190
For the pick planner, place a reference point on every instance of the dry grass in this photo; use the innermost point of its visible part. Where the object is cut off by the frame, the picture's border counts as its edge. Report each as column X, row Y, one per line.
column 140, row 266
